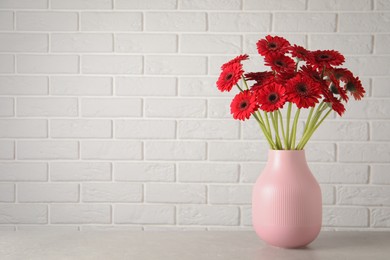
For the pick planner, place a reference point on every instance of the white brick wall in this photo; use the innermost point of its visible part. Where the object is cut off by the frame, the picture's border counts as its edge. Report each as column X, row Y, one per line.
column 110, row 118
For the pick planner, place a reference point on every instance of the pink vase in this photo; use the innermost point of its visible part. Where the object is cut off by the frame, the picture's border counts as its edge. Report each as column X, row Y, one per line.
column 286, row 201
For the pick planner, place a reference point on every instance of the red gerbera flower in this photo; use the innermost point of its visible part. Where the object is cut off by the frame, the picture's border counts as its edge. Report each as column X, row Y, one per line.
column 303, row 91
column 237, row 59
column 271, row 97
column 354, row 86
column 342, row 74
column 327, row 58
column 280, row 63
column 229, row 76
column 337, row 106
column 243, row 105
column 272, row 45
column 259, row 77
column 300, row 52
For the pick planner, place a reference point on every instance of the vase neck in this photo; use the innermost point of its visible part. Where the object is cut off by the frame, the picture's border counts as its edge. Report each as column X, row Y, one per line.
column 286, row 158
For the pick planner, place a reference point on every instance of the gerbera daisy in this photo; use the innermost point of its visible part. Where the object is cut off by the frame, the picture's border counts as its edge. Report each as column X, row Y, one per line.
column 280, row 63
column 336, row 88
column 272, row 45
column 342, row 74
column 243, row 105
column 299, row 52
column 325, row 59
column 259, row 77
column 354, row 86
column 303, row 91
column 271, row 97
column 337, row 106
column 229, row 76
column 237, row 59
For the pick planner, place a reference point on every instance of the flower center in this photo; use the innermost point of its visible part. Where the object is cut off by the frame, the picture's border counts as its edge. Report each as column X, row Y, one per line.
column 279, row 63
column 229, row 76
column 272, row 45
column 243, row 105
column 324, row 56
column 350, row 86
column 272, row 97
column 301, row 88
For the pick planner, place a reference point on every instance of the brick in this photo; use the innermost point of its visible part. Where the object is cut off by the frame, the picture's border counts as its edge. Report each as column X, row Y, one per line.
column 304, row 22
column 80, row 128
column 81, row 42
column 145, row 4
column 364, row 22
column 146, row 43
column 23, row 85
column 7, row 192
column 48, row 192
column 82, row 5
column 145, row 129
column 48, row 107
column 208, row 215
column 80, row 86
column 23, row 214
column 46, row 21
column 237, row 151
column 111, row 150
column 111, row 64
column 23, row 128
column 364, row 152
column 343, row 131
column 381, row 87
column 380, row 174
column 230, row 194
column 47, row 64
column 334, row 5
column 210, row 5
column 215, row 63
column 328, row 194
column 111, row 21
column 80, row 213
column 345, row 216
column 175, row 21
column 175, row 150
column 23, row 4
column 111, row 192
column 174, row 108
column 219, row 108
column 100, row 228
column 6, row 21
column 363, row 195
column 195, row 43
column 380, row 130
column 207, row 172
column 145, row 86
column 274, row 5
column 173, row 228
column 380, row 217
column 6, row 106
column 200, row 86
column 381, row 43
column 344, row 43
column 47, row 150
column 251, row 171
column 144, row 214
column 111, row 107
column 208, row 129
column 368, row 109
column 47, row 228
column 339, row 173
column 251, row 130
column 175, row 65
column 7, row 149
column 80, row 171
column 144, row 171
column 368, row 65
column 239, row 22
column 175, row 193
column 320, row 152
column 26, row 42
column 7, row 63
column 250, row 40
column 23, row 171
column 382, row 5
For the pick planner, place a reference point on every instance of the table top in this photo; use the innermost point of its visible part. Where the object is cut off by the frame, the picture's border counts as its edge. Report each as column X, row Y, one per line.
column 186, row 245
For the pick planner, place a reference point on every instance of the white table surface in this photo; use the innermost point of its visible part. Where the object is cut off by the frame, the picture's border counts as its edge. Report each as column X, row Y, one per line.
column 238, row 245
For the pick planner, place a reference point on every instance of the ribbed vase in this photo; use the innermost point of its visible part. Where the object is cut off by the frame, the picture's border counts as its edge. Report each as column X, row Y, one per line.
column 286, row 201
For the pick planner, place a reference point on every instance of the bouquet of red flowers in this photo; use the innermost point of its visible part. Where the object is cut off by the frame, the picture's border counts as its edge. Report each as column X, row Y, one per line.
column 307, row 79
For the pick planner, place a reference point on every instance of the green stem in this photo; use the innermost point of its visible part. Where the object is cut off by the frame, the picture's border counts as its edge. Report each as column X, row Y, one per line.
column 269, row 139
column 288, row 125
column 246, row 84
column 314, row 129
column 277, row 138
column 282, row 127
column 267, row 121
column 308, row 119
column 294, row 129
column 238, row 86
